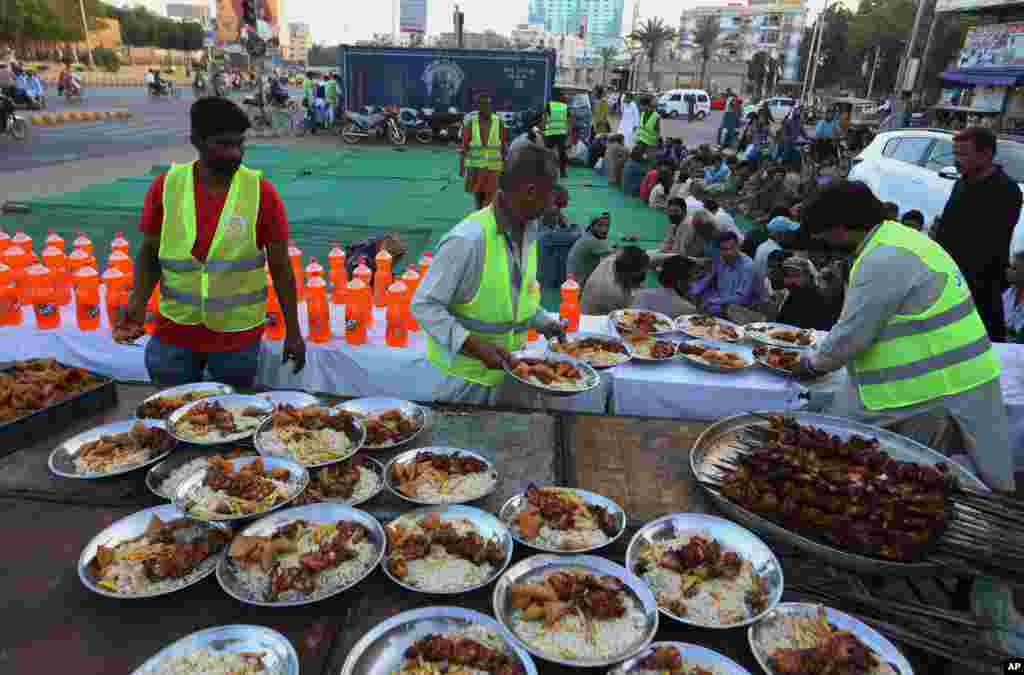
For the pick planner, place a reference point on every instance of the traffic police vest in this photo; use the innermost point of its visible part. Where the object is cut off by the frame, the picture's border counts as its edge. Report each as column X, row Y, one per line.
column 648, row 131
column 558, row 119
column 482, row 156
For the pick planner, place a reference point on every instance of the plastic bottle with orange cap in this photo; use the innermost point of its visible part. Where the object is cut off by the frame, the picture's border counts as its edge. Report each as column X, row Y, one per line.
column 295, row 256
column 338, row 275
column 42, row 292
column 10, row 302
column 87, row 298
column 358, row 311
column 116, row 295
column 363, row 273
column 382, row 278
column 318, row 310
column 397, row 332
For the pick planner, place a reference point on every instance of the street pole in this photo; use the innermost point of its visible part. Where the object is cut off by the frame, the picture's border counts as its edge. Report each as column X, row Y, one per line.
column 810, row 60
column 874, row 69
column 85, row 32
column 927, row 48
column 909, row 54
column 817, row 52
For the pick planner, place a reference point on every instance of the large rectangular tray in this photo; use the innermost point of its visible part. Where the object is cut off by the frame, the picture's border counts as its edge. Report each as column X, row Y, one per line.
column 17, row 434
column 713, row 444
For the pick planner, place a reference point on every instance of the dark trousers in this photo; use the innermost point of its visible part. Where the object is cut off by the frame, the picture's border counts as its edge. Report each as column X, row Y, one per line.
column 169, row 365
column 559, row 142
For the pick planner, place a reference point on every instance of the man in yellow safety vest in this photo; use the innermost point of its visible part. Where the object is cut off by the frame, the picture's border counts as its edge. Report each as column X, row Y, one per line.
column 558, row 130
column 481, row 295
column 212, row 228
column 649, row 128
column 484, row 145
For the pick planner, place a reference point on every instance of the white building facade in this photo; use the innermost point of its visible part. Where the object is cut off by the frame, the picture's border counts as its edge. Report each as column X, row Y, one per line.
column 300, row 41
column 600, row 21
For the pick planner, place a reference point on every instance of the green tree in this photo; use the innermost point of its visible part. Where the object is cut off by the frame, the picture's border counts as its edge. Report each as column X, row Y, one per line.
column 608, row 55
column 835, row 63
column 878, row 23
column 706, row 37
column 652, row 35
column 26, row 20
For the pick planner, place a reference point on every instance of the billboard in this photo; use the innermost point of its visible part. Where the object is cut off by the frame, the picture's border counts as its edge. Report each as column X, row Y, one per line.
column 971, row 5
column 412, row 18
column 993, row 46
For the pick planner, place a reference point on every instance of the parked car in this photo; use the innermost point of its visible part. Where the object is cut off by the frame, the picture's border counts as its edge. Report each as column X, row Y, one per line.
column 718, row 102
column 673, row 103
column 778, row 106
column 915, row 169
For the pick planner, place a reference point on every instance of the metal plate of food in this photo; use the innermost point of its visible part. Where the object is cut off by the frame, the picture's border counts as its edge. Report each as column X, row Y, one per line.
column 219, row 419
column 162, row 479
column 716, row 444
column 717, row 357
column 536, row 600
column 351, row 482
column 299, row 556
column 641, row 321
column 798, row 625
column 385, row 650
column 237, row 489
column 133, row 557
column 297, row 399
column 777, row 359
column 389, row 422
column 112, row 449
column 705, row 327
column 598, row 350
column 596, row 520
column 233, row 648
column 160, row 405
column 651, row 349
column 312, row 436
column 477, row 547
column 440, row 475
column 545, row 372
column 781, row 335
column 684, row 558
column 678, row 657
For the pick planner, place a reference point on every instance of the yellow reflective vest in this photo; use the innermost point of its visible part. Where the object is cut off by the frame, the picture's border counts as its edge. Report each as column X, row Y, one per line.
column 941, row 351
column 647, row 133
column 489, row 315
column 228, row 292
column 487, row 156
column 558, row 119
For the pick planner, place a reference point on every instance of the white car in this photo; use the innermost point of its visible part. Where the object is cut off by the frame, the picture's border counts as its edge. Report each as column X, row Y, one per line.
column 914, row 168
column 778, row 106
column 673, row 103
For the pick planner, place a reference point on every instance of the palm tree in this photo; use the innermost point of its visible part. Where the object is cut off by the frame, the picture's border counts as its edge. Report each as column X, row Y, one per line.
column 706, row 37
column 607, row 55
column 652, row 35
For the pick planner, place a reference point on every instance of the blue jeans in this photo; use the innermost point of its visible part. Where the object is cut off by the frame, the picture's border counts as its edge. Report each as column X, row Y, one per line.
column 169, row 365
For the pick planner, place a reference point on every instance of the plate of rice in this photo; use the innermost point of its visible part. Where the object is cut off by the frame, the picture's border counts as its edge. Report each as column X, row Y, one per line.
column 351, row 482
column 239, row 489
column 153, row 552
column 678, row 658
column 650, row 349
column 440, row 475
column 112, row 449
column 709, row 328
column 435, row 640
column 313, row 436
column 597, row 349
column 781, row 335
column 579, row 610
column 552, row 373
column 389, row 422
column 446, row 549
column 716, row 357
column 219, row 419
column 301, row 555
column 160, row 405
column 706, row 571
column 225, row 650
column 560, row 519
column 163, row 478
column 797, row 634
column 297, row 399
column 641, row 321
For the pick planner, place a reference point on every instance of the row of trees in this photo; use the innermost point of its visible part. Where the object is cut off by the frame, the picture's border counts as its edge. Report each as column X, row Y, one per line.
column 142, row 28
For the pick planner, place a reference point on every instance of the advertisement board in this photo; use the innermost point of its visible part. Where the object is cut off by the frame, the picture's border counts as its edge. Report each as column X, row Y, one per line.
column 412, row 17
column 992, row 46
column 970, row 5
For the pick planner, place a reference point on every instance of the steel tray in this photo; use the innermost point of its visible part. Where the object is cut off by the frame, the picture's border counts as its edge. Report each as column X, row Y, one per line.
column 279, row 656
column 591, row 378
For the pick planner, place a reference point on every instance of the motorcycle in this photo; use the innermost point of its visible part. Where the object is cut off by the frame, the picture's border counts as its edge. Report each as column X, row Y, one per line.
column 444, row 127
column 15, row 126
column 199, row 86
column 357, row 127
column 166, row 89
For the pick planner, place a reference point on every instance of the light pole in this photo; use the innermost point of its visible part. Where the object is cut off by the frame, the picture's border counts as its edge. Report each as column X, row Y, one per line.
column 85, row 32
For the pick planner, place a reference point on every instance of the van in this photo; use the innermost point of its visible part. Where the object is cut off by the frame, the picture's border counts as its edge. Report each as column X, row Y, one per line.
column 673, row 103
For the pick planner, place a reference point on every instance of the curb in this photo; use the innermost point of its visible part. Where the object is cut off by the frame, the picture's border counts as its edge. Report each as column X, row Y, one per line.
column 55, row 119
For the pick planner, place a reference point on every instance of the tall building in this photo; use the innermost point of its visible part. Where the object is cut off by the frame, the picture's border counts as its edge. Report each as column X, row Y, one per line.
column 300, row 41
column 569, row 46
column 601, row 20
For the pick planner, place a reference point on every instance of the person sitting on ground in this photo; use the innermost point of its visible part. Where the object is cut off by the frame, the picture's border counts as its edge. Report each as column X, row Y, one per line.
column 553, row 219
column 651, row 178
column 366, row 251
column 633, row 172
column 806, row 305
column 913, row 219
column 783, row 232
column 658, row 198
column 615, row 158
column 34, row 87
column 682, row 185
column 725, row 222
column 824, row 138
column 588, row 251
column 695, row 237
column 717, row 174
column 760, row 232
column 669, row 297
column 733, row 280
column 891, row 210
column 614, row 281
column 278, row 93
column 1013, row 300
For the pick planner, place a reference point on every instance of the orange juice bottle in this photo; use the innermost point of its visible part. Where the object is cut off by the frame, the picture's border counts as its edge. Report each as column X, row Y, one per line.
column 313, row 269
column 121, row 261
column 121, row 244
column 55, row 240
column 355, row 312
column 364, row 274
column 411, row 279
column 5, row 242
column 569, row 310
column 87, row 298
column 425, row 262
column 23, row 240
column 17, row 259
column 274, row 329
column 397, row 334
column 383, row 277
column 10, row 304
column 117, row 295
column 55, row 261
column 44, row 296
column 83, row 242
column 336, row 261
column 152, row 310
column 295, row 255
column 318, row 310
column 76, row 260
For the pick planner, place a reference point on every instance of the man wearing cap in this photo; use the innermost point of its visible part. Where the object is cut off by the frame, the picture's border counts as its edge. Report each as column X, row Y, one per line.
column 211, row 228
column 484, row 145
column 589, row 249
column 782, row 232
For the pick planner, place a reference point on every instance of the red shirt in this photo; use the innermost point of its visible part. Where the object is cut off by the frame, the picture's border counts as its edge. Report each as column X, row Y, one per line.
column 271, row 227
column 650, row 180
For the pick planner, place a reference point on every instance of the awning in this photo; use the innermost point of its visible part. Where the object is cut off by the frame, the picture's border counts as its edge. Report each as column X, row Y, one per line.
column 1000, row 76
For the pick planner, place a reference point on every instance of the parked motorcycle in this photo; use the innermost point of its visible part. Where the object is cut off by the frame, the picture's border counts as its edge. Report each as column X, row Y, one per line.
column 357, row 127
column 440, row 126
column 15, row 126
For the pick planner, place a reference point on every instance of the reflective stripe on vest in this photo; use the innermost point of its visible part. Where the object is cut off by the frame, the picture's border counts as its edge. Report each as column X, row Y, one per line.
column 489, row 315
column 942, row 351
column 558, row 119
column 648, row 131
column 482, row 156
column 227, row 293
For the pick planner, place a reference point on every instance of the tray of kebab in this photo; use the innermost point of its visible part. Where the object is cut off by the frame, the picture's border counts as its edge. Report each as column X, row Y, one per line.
column 858, row 496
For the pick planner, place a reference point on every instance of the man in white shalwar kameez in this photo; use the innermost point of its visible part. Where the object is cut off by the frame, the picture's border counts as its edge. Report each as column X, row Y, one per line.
column 630, row 120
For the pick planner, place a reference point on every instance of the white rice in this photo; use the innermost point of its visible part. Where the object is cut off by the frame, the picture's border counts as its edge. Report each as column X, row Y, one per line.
column 170, row 484
column 307, row 447
column 688, row 669
column 243, row 424
column 792, row 632
column 368, row 485
column 461, row 488
column 570, row 540
column 570, row 639
column 130, row 575
column 208, row 662
column 137, row 457
column 256, row 582
column 441, row 572
column 201, row 500
column 730, row 606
